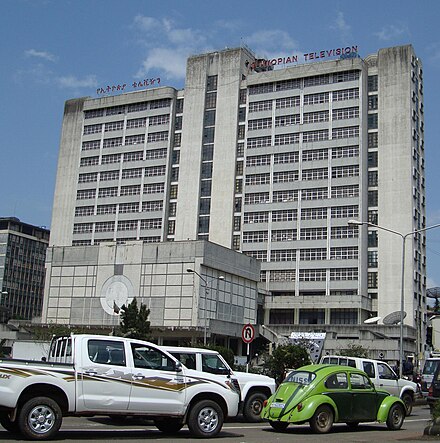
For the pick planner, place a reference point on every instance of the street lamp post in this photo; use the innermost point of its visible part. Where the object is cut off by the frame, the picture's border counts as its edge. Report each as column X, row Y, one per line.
column 402, row 285
column 206, row 290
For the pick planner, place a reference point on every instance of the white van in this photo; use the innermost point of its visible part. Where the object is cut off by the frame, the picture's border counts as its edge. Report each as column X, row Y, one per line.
column 429, row 368
column 381, row 375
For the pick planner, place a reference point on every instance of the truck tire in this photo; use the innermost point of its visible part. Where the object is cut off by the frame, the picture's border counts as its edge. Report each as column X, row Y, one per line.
column 169, row 425
column 253, row 406
column 40, row 418
column 408, row 400
column 8, row 424
column 205, row 419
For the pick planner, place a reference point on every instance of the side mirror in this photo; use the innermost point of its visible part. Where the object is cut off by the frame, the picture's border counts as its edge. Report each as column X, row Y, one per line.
column 178, row 366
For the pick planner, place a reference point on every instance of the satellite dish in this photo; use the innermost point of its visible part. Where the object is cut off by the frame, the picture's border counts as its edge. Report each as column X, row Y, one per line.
column 394, row 318
column 372, row 320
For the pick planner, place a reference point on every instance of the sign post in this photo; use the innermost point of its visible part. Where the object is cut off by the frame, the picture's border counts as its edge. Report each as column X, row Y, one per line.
column 247, row 335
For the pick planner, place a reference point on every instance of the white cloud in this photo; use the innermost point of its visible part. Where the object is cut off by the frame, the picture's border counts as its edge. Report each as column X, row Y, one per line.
column 342, row 27
column 430, row 283
column 71, row 81
column 171, row 61
column 270, row 41
column 392, row 32
column 40, row 54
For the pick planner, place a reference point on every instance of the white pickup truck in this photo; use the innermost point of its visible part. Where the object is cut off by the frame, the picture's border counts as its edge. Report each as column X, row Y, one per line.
column 88, row 375
column 254, row 388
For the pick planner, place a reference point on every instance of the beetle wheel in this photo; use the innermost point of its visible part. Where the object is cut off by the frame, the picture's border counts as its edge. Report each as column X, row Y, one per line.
column 322, row 420
column 396, row 415
column 279, row 426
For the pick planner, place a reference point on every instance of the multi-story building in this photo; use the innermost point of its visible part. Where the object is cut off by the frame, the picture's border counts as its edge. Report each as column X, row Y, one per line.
column 273, row 163
column 22, row 269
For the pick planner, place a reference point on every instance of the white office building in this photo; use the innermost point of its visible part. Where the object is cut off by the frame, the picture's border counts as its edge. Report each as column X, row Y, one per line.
column 271, row 161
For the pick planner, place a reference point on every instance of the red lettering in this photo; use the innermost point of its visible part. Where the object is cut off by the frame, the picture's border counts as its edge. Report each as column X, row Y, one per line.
column 280, row 60
column 322, row 54
column 338, row 51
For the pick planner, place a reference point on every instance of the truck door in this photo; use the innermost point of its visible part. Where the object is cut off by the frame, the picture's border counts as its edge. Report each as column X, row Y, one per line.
column 157, row 387
column 104, row 380
column 387, row 379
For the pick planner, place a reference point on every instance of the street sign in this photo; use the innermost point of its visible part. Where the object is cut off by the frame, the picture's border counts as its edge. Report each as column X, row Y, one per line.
column 248, row 333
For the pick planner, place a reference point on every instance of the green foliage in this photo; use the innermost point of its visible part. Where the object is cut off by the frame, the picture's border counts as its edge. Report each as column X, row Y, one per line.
column 134, row 321
column 226, row 353
column 354, row 350
column 285, row 358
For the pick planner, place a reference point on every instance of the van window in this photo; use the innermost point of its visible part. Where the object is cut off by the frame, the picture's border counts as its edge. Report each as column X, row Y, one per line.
column 369, row 369
column 430, row 366
column 351, row 363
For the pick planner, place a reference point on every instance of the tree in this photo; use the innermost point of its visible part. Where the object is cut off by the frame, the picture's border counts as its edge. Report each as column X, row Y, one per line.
column 134, row 321
column 285, row 358
column 354, row 350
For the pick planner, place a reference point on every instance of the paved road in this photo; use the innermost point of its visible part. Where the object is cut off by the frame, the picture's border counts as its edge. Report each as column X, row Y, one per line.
column 101, row 429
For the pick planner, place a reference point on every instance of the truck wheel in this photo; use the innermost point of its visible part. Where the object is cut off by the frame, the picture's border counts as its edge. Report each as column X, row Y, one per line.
column 8, row 424
column 322, row 420
column 408, row 400
column 169, row 426
column 205, row 419
column 395, row 417
column 253, row 406
column 40, row 418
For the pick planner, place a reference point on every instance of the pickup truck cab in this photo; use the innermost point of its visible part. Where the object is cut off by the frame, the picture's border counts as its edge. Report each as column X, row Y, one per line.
column 382, row 375
column 88, row 375
column 254, row 388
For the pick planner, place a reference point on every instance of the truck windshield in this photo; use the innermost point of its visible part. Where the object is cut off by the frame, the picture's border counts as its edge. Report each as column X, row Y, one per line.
column 430, row 366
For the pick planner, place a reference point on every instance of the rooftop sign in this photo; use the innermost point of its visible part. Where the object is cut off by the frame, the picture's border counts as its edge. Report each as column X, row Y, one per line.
column 347, row 52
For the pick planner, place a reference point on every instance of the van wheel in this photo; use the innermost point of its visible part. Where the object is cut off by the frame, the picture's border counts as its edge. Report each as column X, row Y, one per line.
column 8, row 424
column 253, row 407
column 205, row 419
column 169, row 426
column 40, row 418
column 408, row 400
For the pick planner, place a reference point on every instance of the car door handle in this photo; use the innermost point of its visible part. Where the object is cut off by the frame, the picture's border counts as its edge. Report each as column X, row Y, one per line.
column 138, row 377
column 90, row 372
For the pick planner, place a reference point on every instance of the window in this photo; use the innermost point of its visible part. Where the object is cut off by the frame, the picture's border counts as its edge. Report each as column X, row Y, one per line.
column 130, row 190
column 344, row 253
column 82, row 228
column 345, row 171
column 258, row 179
column 373, row 257
column 154, row 188
column 312, row 275
column 281, row 316
column 137, row 107
column 313, row 254
column 255, row 237
column 373, row 140
column 154, row 223
column 86, row 178
column 151, row 206
column 317, row 80
column 283, row 235
column 89, row 161
column 316, row 154
column 265, row 105
column 155, row 154
column 313, row 136
column 278, row 255
column 372, row 121
column 373, row 216
column 311, row 316
column 359, row 381
column 112, row 142
column 92, row 129
column 287, row 120
column 155, row 120
column 313, row 234
column 154, row 171
column 161, row 103
column 127, row 225
column 344, row 212
column 93, row 113
column 258, row 160
column 83, row 194
column 314, row 194
column 337, row 381
column 157, row 137
column 373, row 198
column 285, row 176
column 211, row 83
column 211, row 100
column 108, row 192
column 106, row 352
column 146, row 357
column 109, row 175
column 243, row 96
column 177, row 139
column 287, row 102
column 313, row 213
column 285, row 196
column 343, row 274
column 82, row 211
column 373, row 102
column 314, row 99
column 93, row 144
column 115, row 110
column 261, row 89
column 285, row 85
column 345, row 151
column 282, row 275
column 204, row 206
column 372, row 83
column 128, row 207
column 372, row 239
column 114, row 126
column 345, row 191
column 372, row 178
column 262, row 123
column 315, row 174
column 286, row 139
column 259, row 142
column 256, row 217
column 256, row 198
column 131, row 173
column 346, row 76
column 345, row 232
column 343, row 317
column 286, row 157
column 284, row 215
column 345, row 94
column 315, row 117
column 106, row 209
column 372, row 159
column 346, row 132
column 104, row 226
column 345, row 113
column 133, row 156
column 136, row 123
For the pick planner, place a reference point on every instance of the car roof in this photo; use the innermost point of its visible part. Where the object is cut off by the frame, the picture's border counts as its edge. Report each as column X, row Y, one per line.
column 325, row 369
column 189, row 349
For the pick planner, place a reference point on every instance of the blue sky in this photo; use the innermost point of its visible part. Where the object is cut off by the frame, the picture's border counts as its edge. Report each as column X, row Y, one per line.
column 54, row 50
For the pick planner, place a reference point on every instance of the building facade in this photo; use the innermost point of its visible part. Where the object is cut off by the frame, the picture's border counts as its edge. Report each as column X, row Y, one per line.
column 22, row 269
column 272, row 163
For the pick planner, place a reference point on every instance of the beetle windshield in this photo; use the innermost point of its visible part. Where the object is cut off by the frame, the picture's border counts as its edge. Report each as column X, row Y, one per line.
column 301, row 377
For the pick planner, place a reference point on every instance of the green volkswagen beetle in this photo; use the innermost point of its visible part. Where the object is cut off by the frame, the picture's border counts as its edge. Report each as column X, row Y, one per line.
column 327, row 394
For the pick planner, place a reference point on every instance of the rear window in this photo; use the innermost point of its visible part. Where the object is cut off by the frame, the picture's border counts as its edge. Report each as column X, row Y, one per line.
column 341, row 361
column 430, row 366
column 301, row 377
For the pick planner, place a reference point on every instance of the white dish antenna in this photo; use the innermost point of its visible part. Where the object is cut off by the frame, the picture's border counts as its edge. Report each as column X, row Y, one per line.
column 372, row 320
column 394, row 318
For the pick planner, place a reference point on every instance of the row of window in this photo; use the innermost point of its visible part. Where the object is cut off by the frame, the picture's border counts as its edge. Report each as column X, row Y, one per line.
column 121, row 208
column 123, row 109
column 114, row 191
column 154, row 120
column 316, row 80
column 122, row 225
column 307, row 254
column 308, row 117
column 151, row 171
column 151, row 154
column 319, row 233
column 88, row 242
column 307, row 137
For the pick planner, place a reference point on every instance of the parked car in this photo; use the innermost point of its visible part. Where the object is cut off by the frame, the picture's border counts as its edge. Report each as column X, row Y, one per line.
column 434, row 389
column 429, row 368
column 253, row 388
column 327, row 394
column 383, row 377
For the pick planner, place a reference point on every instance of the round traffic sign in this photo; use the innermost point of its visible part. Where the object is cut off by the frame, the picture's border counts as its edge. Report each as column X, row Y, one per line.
column 248, row 333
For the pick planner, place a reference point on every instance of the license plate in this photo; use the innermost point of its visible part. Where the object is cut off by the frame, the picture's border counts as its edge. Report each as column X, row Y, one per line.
column 277, row 405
